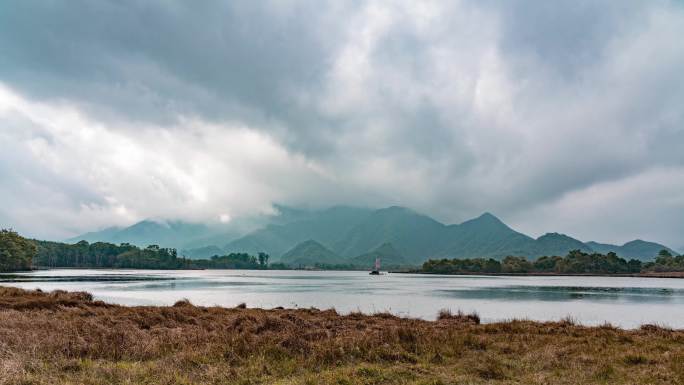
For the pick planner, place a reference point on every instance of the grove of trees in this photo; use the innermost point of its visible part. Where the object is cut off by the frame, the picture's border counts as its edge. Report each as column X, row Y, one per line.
column 576, row 262
column 665, row 261
column 102, row 254
column 16, row 252
column 19, row 253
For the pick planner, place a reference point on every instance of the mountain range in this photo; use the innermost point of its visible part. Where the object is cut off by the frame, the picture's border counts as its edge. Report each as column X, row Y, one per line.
column 342, row 234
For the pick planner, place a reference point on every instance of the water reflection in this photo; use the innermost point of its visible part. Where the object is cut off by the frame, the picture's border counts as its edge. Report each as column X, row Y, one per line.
column 569, row 293
column 86, row 278
column 623, row 301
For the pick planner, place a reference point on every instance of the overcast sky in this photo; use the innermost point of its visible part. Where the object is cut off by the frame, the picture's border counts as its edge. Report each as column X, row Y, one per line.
column 560, row 116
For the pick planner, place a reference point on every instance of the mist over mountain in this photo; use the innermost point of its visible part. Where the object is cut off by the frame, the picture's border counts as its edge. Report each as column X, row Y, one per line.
column 192, row 237
column 358, row 235
column 410, row 232
column 147, row 232
column 324, row 226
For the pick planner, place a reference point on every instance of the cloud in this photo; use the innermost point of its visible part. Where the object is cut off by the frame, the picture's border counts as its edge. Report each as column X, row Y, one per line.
column 63, row 172
column 646, row 206
column 116, row 111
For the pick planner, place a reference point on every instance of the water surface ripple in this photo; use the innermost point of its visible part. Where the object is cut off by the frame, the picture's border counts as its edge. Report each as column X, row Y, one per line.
column 622, row 301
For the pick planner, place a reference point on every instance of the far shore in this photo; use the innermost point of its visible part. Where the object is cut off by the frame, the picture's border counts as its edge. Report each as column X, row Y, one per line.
column 672, row 274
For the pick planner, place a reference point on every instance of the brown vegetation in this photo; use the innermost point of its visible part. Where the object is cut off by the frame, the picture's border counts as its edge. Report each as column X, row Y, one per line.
column 67, row 338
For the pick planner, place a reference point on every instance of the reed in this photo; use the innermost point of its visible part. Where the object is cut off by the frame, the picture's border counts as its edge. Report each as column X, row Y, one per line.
column 68, row 338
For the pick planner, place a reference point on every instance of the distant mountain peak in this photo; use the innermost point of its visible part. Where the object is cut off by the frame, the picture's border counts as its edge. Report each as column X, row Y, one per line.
column 486, row 220
column 310, row 253
column 555, row 235
column 636, row 242
column 639, row 249
column 489, row 217
column 311, row 242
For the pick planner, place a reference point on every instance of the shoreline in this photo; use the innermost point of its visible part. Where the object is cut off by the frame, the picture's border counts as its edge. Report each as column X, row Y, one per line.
column 69, row 338
column 674, row 275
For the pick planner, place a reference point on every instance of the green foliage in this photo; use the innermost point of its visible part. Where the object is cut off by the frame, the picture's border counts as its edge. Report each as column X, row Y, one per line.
column 263, row 259
column 453, row 266
column 230, row 261
column 16, row 252
column 102, row 254
column 576, row 262
column 108, row 255
column 666, row 262
column 516, row 265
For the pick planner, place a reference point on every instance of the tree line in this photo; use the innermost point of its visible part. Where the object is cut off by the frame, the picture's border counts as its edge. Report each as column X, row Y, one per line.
column 108, row 255
column 19, row 253
column 575, row 262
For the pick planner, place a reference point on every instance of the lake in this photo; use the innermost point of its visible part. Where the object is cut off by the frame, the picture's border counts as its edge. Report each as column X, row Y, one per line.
column 622, row 301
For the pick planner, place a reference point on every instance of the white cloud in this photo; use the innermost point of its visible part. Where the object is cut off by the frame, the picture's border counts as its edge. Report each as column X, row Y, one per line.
column 645, row 206
column 114, row 175
column 452, row 108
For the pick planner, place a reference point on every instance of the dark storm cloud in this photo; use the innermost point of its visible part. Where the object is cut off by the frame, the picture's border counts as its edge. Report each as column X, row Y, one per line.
column 156, row 60
column 453, row 108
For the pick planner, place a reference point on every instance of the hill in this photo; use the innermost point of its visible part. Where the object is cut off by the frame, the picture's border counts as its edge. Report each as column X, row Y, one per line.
column 486, row 236
column 559, row 245
column 637, row 249
column 324, row 226
column 389, row 257
column 412, row 233
column 310, row 253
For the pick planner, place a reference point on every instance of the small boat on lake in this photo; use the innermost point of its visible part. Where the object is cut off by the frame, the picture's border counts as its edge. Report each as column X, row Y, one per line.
column 376, row 269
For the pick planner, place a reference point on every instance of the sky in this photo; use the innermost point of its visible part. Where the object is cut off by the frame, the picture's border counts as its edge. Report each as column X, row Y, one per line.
column 562, row 116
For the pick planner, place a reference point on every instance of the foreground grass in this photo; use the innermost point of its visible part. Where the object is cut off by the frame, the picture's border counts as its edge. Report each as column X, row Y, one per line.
column 66, row 338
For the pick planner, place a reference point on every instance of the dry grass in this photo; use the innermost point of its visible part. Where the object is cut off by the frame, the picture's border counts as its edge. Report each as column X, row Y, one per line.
column 66, row 338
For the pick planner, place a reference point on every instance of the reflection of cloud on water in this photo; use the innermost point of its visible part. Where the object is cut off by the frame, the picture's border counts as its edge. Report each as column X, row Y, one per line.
column 191, row 284
column 84, row 278
column 565, row 293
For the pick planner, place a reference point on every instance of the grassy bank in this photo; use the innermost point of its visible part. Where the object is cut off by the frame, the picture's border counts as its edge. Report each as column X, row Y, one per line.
column 67, row 338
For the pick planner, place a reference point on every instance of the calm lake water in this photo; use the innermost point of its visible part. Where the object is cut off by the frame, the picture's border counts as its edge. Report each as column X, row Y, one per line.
column 625, row 302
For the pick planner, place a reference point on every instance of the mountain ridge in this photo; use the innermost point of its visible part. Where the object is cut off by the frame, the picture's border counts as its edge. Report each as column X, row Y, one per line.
column 350, row 232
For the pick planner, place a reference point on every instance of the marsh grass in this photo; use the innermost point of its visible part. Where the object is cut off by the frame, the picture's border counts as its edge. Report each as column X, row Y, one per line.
column 67, row 338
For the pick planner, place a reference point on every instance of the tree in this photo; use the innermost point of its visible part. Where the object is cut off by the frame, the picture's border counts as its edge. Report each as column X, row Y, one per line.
column 16, row 252
column 513, row 264
column 664, row 253
column 263, row 259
